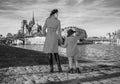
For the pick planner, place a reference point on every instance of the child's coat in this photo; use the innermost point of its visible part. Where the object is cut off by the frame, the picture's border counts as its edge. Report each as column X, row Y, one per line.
column 71, row 45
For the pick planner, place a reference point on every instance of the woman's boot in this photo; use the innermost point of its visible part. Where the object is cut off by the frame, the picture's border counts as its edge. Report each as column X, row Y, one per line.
column 51, row 62
column 57, row 58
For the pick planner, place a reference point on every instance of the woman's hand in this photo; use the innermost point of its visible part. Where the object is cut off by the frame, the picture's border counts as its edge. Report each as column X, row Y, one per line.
column 61, row 40
column 62, row 45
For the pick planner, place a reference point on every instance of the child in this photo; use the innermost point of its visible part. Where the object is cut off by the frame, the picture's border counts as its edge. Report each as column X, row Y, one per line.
column 72, row 50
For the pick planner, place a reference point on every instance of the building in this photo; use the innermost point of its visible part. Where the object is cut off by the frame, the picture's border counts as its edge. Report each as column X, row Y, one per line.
column 32, row 31
column 31, row 28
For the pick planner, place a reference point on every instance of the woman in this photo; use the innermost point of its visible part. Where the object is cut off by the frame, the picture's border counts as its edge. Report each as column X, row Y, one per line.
column 53, row 26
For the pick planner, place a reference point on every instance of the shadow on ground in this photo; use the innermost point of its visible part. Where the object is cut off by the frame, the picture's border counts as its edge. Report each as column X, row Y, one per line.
column 89, row 79
column 12, row 56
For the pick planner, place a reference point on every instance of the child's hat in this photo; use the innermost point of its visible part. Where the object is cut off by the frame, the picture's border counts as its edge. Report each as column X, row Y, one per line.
column 70, row 32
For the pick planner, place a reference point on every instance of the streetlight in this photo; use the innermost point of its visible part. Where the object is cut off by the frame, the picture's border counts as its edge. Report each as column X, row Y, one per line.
column 24, row 22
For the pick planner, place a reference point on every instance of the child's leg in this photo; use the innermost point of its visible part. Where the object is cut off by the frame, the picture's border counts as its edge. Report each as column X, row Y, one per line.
column 76, row 62
column 77, row 65
column 71, row 70
column 70, row 62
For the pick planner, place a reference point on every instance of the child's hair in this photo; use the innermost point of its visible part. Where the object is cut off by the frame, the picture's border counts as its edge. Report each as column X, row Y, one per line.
column 70, row 32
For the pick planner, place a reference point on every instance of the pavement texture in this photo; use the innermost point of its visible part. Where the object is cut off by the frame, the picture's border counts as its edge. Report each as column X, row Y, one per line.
column 91, row 73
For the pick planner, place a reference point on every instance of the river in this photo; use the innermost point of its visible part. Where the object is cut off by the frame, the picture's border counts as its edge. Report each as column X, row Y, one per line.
column 104, row 52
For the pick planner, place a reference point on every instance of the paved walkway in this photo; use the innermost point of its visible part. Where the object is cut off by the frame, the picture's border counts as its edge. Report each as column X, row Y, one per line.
column 92, row 73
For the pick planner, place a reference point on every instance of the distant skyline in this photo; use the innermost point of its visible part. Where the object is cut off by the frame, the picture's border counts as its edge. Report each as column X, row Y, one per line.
column 97, row 17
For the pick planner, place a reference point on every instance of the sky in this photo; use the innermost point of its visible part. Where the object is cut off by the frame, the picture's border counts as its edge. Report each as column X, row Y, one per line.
column 97, row 17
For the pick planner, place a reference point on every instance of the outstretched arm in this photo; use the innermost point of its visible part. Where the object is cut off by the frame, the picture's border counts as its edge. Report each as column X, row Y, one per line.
column 80, row 34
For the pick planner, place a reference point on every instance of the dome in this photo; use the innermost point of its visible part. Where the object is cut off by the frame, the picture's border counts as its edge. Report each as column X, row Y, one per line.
column 78, row 30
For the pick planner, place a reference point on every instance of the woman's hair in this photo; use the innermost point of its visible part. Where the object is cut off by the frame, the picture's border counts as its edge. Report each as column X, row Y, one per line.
column 53, row 12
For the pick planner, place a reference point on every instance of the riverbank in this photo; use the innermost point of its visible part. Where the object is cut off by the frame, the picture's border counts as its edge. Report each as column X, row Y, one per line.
column 21, row 66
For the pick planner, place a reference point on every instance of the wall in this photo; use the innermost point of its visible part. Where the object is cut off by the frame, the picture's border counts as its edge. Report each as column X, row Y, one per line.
column 35, row 40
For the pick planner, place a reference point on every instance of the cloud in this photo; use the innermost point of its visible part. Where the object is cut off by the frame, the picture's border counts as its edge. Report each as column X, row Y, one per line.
column 53, row 1
column 89, row 14
column 111, row 3
column 18, row 2
column 9, row 25
column 71, row 2
column 87, row 2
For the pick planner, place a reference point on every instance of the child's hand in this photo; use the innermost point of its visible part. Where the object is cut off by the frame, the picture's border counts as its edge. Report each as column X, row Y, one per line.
column 62, row 46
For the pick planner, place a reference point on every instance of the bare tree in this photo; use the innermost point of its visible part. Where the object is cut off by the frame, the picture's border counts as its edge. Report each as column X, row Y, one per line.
column 118, row 34
column 109, row 35
column 113, row 35
column 9, row 35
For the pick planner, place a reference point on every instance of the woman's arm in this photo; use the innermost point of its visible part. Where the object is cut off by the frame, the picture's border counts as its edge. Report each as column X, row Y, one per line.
column 59, row 31
column 44, row 28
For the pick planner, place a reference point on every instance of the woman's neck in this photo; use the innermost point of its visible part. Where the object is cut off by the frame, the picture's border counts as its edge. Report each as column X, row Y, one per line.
column 54, row 17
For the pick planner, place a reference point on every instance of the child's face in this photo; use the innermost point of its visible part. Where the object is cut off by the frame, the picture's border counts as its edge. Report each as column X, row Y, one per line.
column 77, row 34
column 74, row 34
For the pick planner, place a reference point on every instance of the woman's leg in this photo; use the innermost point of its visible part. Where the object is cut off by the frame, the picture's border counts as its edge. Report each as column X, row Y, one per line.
column 57, row 58
column 51, row 62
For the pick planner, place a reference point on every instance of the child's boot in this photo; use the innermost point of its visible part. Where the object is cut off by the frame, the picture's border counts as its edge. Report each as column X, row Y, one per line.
column 77, row 70
column 71, row 71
